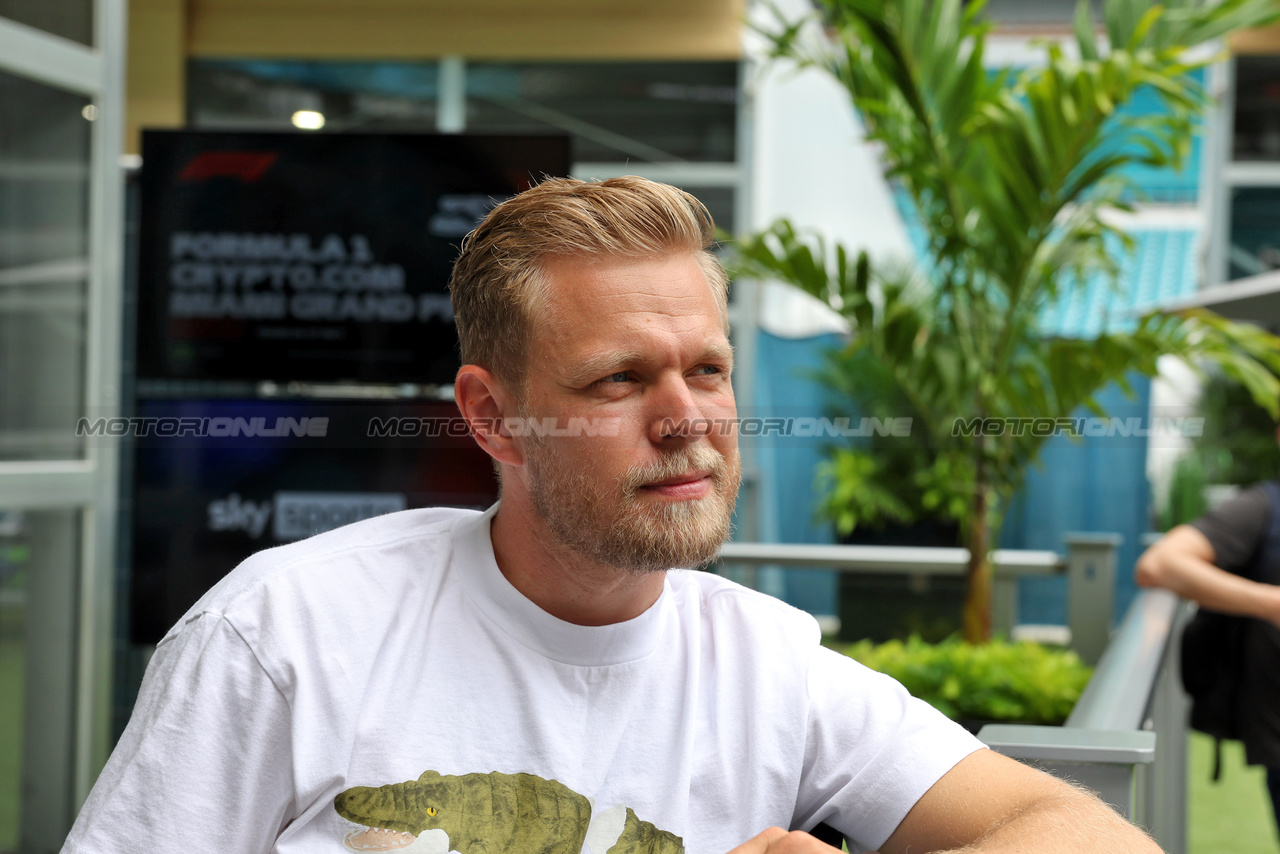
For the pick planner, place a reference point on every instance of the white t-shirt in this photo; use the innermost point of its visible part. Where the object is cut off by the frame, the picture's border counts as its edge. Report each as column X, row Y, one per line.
column 394, row 651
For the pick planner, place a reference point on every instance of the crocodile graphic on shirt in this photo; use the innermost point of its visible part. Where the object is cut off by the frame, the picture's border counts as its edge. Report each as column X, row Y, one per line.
column 492, row 813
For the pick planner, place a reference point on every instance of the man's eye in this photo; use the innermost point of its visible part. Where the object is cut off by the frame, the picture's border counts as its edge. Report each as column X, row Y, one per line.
column 619, row 377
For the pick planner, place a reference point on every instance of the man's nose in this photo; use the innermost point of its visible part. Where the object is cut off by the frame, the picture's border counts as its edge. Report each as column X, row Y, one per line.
column 676, row 415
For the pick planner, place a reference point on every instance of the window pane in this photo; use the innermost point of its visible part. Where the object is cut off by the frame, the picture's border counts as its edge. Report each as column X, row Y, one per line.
column 12, row 630
column 71, row 19
column 1257, row 120
column 719, row 202
column 643, row 111
column 38, row 568
column 264, row 95
column 44, row 192
column 1255, row 231
column 648, row 111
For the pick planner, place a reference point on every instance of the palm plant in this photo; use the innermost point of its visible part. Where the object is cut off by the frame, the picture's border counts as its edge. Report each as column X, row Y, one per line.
column 1014, row 176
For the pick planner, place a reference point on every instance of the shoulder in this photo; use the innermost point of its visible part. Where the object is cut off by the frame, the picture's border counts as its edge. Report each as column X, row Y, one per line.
column 1250, row 499
column 1237, row 527
column 725, row 606
column 375, row 554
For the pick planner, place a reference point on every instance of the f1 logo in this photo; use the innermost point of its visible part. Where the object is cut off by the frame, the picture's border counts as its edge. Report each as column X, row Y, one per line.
column 248, row 166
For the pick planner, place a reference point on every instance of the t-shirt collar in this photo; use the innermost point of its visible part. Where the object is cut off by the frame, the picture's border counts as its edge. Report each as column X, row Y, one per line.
column 569, row 643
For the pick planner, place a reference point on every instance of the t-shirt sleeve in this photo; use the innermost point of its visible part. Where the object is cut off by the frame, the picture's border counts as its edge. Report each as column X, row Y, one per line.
column 204, row 764
column 1236, row 528
column 872, row 751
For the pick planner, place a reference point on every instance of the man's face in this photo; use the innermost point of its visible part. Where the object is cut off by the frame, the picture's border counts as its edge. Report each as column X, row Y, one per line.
column 636, row 349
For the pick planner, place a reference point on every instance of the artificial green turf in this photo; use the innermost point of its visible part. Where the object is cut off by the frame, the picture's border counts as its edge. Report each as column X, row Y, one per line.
column 11, row 684
column 1232, row 816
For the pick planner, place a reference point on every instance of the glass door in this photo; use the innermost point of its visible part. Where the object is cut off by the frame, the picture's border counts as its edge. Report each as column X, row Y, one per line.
column 61, row 126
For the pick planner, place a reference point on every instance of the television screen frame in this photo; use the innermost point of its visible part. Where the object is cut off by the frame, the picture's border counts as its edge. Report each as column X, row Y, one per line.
column 314, row 257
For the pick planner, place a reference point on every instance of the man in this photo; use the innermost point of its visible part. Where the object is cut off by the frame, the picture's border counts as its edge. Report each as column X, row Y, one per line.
column 534, row 678
column 1206, row 561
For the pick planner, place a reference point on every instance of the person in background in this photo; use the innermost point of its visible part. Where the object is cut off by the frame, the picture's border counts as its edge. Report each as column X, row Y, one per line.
column 1227, row 561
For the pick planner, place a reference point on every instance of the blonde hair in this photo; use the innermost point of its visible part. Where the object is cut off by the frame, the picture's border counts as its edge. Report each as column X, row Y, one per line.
column 498, row 282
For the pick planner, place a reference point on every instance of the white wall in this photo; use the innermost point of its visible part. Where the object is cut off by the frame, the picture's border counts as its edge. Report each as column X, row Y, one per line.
column 810, row 163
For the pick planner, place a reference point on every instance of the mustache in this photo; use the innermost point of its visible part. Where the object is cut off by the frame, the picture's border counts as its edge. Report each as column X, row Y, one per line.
column 674, row 463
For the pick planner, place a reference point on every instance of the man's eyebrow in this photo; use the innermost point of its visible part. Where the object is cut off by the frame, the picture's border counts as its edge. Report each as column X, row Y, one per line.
column 600, row 365
column 719, row 353
column 604, row 364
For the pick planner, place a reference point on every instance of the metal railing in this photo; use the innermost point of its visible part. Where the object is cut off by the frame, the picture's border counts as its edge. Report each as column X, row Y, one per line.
column 1089, row 566
column 1126, row 738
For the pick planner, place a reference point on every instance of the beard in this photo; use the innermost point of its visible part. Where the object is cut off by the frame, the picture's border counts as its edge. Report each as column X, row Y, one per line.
column 612, row 523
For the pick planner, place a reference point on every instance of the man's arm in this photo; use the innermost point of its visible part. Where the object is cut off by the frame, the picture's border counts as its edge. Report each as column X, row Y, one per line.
column 1183, row 561
column 989, row 804
column 205, row 764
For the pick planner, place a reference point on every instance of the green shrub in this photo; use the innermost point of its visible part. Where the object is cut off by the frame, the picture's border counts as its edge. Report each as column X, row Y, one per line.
column 1021, row 682
column 1186, row 493
column 1238, row 442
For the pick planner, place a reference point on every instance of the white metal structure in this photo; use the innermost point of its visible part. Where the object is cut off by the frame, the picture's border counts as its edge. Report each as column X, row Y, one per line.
column 61, row 319
column 1223, row 176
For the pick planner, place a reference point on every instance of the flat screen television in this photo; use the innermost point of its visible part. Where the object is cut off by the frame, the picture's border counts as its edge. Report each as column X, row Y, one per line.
column 314, row 257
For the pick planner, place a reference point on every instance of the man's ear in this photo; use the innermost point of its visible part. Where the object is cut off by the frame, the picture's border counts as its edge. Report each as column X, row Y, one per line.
column 484, row 402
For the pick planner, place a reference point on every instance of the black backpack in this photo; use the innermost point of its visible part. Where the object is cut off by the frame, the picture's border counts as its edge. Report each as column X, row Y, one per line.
column 1213, row 648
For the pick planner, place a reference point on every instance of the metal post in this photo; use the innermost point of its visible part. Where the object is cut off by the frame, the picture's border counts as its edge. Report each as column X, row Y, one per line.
column 744, row 302
column 1162, row 786
column 1215, row 200
column 1091, row 595
column 1004, row 603
column 451, row 102
column 47, row 798
column 1102, row 760
column 99, row 521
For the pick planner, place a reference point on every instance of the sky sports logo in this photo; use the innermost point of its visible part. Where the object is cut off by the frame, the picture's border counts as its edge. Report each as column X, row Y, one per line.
column 295, row 515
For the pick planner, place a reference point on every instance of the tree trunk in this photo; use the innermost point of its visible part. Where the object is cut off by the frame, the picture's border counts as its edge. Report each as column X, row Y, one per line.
column 976, row 626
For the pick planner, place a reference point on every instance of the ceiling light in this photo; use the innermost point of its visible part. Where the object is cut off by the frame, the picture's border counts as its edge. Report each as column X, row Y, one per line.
column 308, row 120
